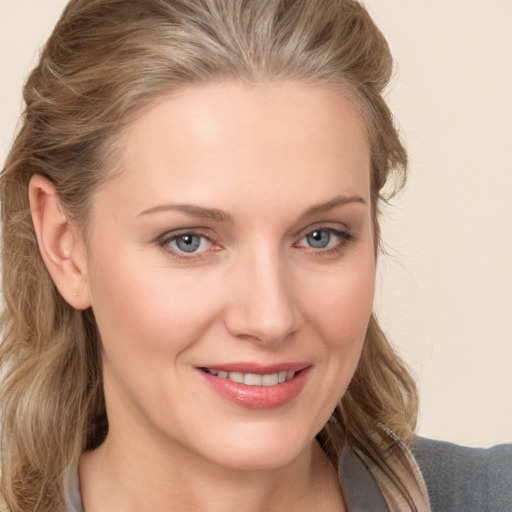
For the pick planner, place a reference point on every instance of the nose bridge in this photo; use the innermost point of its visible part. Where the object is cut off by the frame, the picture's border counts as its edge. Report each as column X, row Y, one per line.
column 264, row 305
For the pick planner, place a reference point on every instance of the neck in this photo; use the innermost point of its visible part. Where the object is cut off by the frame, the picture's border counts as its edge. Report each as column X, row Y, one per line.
column 121, row 480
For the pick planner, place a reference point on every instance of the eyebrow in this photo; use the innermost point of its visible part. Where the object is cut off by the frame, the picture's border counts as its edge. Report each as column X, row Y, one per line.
column 190, row 209
column 331, row 204
column 222, row 216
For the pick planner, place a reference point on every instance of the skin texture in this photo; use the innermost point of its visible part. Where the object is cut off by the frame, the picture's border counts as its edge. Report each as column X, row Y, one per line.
column 255, row 291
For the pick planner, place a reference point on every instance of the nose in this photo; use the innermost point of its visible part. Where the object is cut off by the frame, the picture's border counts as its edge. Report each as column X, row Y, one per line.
column 264, row 305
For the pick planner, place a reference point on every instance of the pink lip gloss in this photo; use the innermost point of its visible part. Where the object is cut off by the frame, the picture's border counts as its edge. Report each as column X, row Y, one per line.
column 258, row 397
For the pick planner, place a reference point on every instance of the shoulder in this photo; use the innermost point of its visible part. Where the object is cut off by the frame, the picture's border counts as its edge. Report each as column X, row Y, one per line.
column 459, row 478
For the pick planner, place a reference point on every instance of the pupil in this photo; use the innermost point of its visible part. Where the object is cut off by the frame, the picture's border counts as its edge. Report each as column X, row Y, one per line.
column 319, row 239
column 188, row 243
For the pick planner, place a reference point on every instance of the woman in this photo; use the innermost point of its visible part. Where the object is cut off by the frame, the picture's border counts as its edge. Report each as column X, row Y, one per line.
column 190, row 217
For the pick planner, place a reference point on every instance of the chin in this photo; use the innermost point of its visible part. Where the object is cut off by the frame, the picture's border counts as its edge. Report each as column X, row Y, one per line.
column 264, row 460
column 259, row 448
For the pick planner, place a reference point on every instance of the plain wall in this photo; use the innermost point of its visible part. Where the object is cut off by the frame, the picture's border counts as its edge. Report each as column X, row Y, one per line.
column 445, row 285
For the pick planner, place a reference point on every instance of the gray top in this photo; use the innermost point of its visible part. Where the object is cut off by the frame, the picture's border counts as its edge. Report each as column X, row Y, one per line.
column 458, row 479
column 461, row 479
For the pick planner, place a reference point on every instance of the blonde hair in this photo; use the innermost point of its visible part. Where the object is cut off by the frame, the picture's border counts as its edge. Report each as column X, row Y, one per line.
column 105, row 61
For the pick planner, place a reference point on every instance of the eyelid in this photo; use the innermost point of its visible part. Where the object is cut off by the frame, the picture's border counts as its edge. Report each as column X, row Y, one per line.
column 343, row 233
column 335, row 228
column 175, row 233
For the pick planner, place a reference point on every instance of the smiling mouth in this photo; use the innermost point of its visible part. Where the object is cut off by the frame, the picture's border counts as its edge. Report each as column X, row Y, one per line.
column 255, row 386
column 253, row 379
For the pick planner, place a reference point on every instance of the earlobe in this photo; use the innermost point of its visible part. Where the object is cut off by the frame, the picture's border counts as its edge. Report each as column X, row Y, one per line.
column 60, row 243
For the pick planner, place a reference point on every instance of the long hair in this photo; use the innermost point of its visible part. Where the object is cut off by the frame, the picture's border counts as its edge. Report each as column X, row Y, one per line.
column 106, row 61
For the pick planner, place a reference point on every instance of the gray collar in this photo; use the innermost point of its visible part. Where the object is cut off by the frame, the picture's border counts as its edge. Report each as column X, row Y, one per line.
column 361, row 492
column 73, row 498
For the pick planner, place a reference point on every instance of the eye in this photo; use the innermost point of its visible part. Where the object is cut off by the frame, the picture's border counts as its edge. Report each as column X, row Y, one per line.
column 319, row 239
column 186, row 243
column 325, row 238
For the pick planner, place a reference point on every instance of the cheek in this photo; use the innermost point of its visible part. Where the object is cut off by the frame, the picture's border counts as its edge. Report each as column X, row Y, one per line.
column 144, row 309
column 341, row 303
column 147, row 325
column 339, row 310
column 146, row 312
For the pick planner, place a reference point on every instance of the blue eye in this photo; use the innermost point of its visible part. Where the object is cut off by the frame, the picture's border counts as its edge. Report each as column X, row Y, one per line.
column 189, row 243
column 319, row 239
column 326, row 240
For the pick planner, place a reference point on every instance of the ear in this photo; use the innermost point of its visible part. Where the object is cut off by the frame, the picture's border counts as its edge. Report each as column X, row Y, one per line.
column 60, row 243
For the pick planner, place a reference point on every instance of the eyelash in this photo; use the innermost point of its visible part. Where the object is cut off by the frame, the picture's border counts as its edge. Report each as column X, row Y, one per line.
column 164, row 242
column 167, row 239
column 344, row 238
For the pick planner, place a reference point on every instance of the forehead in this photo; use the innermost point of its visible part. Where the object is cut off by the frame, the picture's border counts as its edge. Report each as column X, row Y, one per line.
column 261, row 140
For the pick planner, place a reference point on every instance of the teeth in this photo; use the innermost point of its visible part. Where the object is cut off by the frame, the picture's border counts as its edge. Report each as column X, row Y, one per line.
column 237, row 377
column 270, row 380
column 253, row 379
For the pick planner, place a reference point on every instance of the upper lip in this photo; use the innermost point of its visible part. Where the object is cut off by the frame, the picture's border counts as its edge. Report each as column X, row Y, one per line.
column 258, row 369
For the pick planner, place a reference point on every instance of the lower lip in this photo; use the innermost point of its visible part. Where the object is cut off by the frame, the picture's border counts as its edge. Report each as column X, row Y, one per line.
column 258, row 397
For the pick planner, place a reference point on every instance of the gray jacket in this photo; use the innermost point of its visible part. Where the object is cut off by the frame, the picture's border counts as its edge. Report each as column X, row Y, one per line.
column 458, row 479
column 461, row 479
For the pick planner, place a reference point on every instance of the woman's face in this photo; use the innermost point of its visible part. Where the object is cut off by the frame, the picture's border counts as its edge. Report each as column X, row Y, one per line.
column 230, row 267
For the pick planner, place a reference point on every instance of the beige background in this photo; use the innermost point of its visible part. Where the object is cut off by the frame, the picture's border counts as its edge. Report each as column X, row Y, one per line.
column 445, row 288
